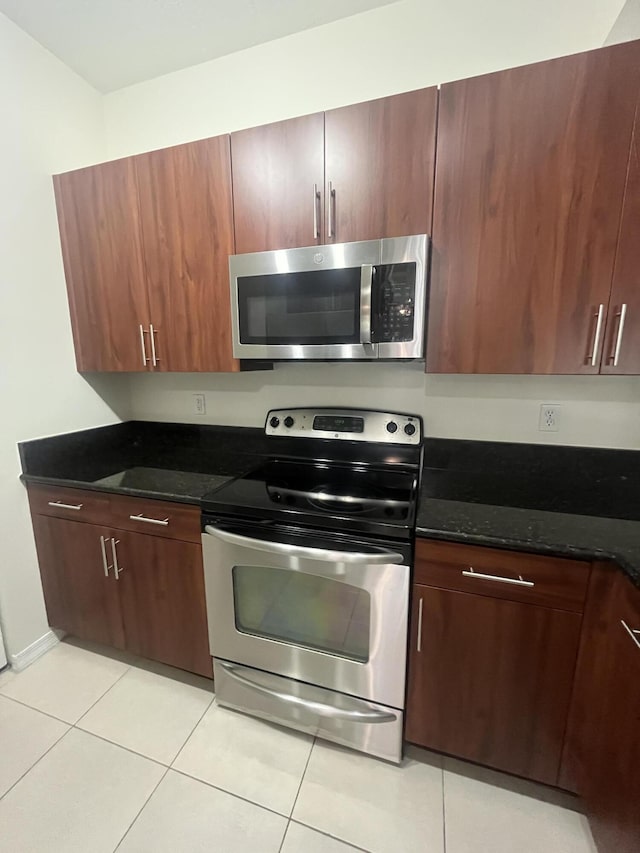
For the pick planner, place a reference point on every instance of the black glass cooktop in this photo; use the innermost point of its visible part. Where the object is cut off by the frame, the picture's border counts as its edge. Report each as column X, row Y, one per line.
column 320, row 494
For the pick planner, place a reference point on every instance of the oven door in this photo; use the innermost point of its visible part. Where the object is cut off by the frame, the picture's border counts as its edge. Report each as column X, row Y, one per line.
column 311, row 303
column 307, row 607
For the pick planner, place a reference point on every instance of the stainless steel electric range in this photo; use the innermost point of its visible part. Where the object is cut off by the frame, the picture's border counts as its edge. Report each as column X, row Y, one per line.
column 307, row 569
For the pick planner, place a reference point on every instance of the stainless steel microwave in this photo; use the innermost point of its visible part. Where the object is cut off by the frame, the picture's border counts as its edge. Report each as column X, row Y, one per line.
column 362, row 300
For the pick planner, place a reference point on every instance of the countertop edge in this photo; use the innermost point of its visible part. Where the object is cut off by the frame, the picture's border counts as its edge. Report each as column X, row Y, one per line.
column 192, row 500
column 529, row 547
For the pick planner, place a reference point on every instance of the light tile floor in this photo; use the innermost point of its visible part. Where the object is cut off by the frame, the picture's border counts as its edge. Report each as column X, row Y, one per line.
column 103, row 752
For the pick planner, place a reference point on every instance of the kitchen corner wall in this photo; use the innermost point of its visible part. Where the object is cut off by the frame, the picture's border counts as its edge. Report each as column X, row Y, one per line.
column 399, row 47
column 51, row 121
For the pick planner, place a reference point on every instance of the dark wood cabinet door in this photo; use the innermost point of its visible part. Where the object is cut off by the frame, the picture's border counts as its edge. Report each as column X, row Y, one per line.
column 622, row 341
column 530, row 176
column 187, row 225
column 80, row 596
column 611, row 738
column 379, row 167
column 163, row 602
column 278, row 176
column 490, row 680
column 99, row 224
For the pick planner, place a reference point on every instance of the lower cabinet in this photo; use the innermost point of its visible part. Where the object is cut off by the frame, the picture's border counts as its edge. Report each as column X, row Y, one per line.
column 143, row 592
column 602, row 755
column 81, row 596
column 492, row 658
column 163, row 601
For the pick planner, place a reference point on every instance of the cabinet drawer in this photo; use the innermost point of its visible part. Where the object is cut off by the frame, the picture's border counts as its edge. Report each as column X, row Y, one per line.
column 158, row 518
column 74, row 504
column 529, row 578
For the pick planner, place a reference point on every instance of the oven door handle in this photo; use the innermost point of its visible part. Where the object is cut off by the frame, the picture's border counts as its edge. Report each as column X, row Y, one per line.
column 305, row 553
column 365, row 716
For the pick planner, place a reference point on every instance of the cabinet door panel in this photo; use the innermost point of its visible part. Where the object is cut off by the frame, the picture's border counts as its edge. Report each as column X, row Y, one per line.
column 492, row 680
column 79, row 597
column 623, row 330
column 163, row 601
column 102, row 250
column 380, row 162
column 531, row 166
column 187, row 225
column 612, row 785
column 275, row 170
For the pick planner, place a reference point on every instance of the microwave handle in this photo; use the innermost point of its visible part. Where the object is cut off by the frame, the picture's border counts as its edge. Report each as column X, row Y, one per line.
column 366, row 282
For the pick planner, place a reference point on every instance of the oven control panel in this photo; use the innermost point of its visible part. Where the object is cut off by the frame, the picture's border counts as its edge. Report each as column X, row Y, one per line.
column 346, row 424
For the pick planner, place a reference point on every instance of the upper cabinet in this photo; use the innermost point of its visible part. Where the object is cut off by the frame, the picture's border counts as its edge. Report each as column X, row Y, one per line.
column 530, row 180
column 146, row 242
column 621, row 352
column 379, row 167
column 357, row 173
column 278, row 173
column 187, row 229
column 99, row 221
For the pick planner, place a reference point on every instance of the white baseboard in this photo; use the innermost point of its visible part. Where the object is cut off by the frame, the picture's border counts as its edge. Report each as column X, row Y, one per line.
column 31, row 654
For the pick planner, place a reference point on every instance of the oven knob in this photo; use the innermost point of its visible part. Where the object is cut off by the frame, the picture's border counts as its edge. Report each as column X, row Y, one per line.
column 274, row 422
column 409, row 429
column 288, row 421
column 392, row 426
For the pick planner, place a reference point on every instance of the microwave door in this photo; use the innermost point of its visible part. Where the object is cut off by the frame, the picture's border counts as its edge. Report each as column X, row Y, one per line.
column 322, row 314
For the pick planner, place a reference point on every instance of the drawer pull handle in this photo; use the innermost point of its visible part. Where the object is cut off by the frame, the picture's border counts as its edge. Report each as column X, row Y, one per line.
column 117, row 568
column 635, row 635
column 419, row 640
column 162, row 521
column 62, row 505
column 516, row 581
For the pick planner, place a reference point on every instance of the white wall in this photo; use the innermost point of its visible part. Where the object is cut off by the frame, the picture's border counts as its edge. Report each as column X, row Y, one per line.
column 595, row 410
column 51, row 121
column 627, row 25
column 396, row 48
column 399, row 47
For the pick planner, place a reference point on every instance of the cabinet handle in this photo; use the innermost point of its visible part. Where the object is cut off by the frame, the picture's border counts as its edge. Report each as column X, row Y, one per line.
column 635, row 635
column 470, row 573
column 143, row 345
column 62, row 505
column 331, row 211
column 152, row 338
column 316, row 202
column 104, row 557
column 141, row 517
column 419, row 640
column 621, row 316
column 117, row 570
column 599, row 317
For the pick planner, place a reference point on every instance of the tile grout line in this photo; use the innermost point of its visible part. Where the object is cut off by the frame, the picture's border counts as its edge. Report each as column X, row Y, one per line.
column 188, row 737
column 328, row 835
column 128, row 830
column 121, row 746
column 37, row 710
column 110, row 687
column 37, row 761
column 230, row 793
column 313, row 743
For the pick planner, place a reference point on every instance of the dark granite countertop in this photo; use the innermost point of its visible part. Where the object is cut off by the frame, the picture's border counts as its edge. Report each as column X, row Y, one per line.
column 566, row 501
column 177, row 462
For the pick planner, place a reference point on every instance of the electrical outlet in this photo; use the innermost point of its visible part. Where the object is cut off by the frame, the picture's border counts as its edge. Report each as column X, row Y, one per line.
column 199, row 404
column 549, row 417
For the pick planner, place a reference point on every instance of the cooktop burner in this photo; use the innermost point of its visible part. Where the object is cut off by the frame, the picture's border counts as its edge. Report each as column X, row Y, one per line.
column 328, row 484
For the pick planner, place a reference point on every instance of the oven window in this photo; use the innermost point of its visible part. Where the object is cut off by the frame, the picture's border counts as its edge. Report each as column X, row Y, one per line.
column 318, row 307
column 303, row 610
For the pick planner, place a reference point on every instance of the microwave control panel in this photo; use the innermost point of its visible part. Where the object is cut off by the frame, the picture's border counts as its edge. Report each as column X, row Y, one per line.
column 395, row 298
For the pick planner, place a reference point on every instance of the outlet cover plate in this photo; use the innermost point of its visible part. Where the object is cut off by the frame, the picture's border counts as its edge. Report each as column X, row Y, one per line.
column 549, row 420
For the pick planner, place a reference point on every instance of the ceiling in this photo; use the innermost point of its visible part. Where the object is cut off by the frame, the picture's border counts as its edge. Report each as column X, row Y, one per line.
column 115, row 43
